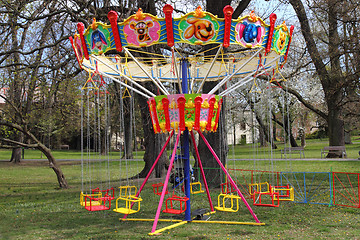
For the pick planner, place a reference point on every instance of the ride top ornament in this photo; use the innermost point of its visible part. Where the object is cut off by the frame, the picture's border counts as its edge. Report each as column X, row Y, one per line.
column 181, row 105
column 196, row 28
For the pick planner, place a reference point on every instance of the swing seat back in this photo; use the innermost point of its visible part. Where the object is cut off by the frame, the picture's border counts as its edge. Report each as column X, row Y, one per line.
column 228, row 203
column 227, row 188
column 94, row 195
column 127, row 191
column 263, row 187
column 266, row 199
column 195, row 188
column 110, row 192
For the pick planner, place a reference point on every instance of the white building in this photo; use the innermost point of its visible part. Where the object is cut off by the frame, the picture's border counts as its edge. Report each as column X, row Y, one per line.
column 241, row 127
column 3, row 92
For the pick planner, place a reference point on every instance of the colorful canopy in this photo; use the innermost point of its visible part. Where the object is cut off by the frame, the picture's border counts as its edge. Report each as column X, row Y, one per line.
column 262, row 48
column 195, row 28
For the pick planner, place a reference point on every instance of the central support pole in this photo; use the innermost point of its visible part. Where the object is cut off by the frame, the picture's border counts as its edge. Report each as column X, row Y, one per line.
column 185, row 146
column 187, row 177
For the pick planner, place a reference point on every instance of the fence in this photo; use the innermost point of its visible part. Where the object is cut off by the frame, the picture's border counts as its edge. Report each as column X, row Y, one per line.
column 346, row 189
column 326, row 188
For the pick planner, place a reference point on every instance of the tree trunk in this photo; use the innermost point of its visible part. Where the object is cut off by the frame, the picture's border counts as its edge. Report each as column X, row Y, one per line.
column 217, row 141
column 334, row 94
column 293, row 142
column 274, row 132
column 153, row 142
column 52, row 164
column 47, row 152
column 15, row 90
column 128, row 128
column 335, row 131
column 288, row 131
column 263, row 128
column 16, row 155
column 303, row 142
column 234, row 133
column 262, row 139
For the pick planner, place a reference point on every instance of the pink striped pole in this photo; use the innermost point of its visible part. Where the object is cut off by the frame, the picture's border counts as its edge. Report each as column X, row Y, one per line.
column 151, row 170
column 202, row 171
column 229, row 177
column 165, row 185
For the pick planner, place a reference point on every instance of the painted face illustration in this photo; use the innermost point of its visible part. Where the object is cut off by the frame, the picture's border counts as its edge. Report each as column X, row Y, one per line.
column 97, row 40
column 141, row 29
column 200, row 28
column 282, row 40
column 250, row 32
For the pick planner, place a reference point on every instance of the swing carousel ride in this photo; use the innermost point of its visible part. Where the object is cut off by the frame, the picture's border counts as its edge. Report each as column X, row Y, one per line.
column 181, row 106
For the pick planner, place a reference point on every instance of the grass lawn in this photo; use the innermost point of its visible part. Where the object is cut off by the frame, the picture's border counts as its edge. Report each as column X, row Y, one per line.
column 33, row 207
column 248, row 151
column 64, row 154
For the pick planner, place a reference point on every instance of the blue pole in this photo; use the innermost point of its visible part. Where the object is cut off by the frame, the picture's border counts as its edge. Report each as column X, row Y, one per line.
column 184, row 82
column 185, row 147
column 305, row 188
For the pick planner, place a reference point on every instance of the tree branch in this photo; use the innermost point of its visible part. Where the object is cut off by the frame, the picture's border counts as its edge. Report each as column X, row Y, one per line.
column 303, row 101
column 240, row 8
column 18, row 143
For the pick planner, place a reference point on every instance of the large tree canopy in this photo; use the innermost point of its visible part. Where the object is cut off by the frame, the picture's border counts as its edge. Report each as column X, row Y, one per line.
column 332, row 42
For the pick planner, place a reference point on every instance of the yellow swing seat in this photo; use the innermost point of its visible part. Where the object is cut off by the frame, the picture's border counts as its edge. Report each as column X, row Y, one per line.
column 233, row 200
column 195, row 188
column 286, row 193
column 259, row 188
column 87, row 202
column 129, row 200
column 128, row 195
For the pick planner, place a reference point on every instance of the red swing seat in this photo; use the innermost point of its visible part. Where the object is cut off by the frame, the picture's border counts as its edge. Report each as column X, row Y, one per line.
column 157, row 188
column 273, row 202
column 169, row 208
column 102, row 203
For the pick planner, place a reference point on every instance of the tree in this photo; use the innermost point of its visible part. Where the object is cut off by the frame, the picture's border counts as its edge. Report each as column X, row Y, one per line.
column 335, row 57
column 35, row 66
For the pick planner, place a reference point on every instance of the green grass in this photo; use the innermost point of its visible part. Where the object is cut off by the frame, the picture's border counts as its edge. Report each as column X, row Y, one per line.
column 65, row 154
column 33, row 207
column 248, row 151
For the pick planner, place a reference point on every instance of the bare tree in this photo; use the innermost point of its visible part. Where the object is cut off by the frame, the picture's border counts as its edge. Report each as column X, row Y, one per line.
column 35, row 65
column 335, row 57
